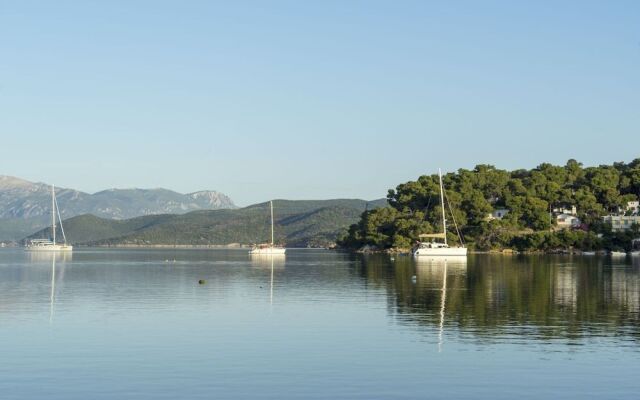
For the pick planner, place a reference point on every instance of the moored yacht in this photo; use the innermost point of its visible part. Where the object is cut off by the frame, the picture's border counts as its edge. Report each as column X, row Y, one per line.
column 439, row 249
column 50, row 244
column 268, row 248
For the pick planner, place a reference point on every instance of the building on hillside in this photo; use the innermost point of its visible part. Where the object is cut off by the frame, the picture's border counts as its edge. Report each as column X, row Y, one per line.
column 631, row 208
column 497, row 214
column 565, row 210
column 567, row 221
column 634, row 207
column 621, row 222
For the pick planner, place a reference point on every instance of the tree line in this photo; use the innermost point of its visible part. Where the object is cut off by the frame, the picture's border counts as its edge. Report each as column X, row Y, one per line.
column 530, row 196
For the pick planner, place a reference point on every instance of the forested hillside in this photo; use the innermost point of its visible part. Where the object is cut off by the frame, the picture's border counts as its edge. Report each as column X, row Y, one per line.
column 302, row 223
column 528, row 195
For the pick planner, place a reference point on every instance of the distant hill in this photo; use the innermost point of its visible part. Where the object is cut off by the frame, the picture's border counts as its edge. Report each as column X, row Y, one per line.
column 25, row 206
column 298, row 223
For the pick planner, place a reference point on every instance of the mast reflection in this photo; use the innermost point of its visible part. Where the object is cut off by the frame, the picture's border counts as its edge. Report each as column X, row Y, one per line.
column 493, row 296
column 271, row 261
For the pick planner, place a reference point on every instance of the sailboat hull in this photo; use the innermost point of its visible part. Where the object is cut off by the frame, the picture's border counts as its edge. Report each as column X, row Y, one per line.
column 268, row 251
column 52, row 247
column 441, row 252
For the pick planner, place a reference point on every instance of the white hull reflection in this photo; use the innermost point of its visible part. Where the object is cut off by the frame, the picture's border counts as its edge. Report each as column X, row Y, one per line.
column 43, row 256
column 271, row 262
column 268, row 260
column 451, row 260
column 434, row 274
column 57, row 272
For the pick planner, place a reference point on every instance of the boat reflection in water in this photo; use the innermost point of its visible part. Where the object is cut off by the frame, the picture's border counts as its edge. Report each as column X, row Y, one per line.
column 271, row 262
column 441, row 261
column 498, row 298
column 268, row 260
column 436, row 269
column 38, row 257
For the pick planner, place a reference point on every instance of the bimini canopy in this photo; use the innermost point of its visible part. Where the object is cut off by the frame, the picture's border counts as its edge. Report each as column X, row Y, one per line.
column 432, row 236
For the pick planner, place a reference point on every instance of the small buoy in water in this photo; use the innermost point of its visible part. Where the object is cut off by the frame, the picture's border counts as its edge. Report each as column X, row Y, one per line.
column 166, row 260
column 202, row 281
column 393, row 259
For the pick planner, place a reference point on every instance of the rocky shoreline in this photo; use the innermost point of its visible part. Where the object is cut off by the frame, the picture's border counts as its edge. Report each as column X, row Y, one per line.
column 405, row 251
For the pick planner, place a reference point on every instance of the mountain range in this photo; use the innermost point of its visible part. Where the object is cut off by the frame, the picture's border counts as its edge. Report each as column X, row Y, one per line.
column 26, row 206
column 298, row 223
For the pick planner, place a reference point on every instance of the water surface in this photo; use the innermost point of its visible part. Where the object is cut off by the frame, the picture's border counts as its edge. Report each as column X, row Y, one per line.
column 137, row 324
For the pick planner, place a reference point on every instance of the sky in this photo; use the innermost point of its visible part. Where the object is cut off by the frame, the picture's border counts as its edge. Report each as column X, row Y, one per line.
column 311, row 100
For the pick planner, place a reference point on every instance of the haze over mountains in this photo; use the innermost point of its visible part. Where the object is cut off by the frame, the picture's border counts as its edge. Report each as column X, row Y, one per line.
column 26, row 206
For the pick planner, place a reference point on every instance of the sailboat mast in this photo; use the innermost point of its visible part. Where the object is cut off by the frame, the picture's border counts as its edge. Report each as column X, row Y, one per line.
column 271, row 205
column 64, row 237
column 444, row 220
column 53, row 213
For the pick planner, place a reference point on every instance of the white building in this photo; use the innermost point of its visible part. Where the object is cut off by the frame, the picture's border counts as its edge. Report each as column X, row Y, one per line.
column 566, row 210
column 567, row 221
column 497, row 214
column 634, row 207
column 621, row 222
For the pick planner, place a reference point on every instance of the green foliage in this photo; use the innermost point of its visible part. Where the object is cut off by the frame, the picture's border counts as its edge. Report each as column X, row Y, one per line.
column 529, row 195
column 560, row 240
column 297, row 224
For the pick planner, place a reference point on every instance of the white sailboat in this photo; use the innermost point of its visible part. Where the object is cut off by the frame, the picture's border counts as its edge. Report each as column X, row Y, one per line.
column 50, row 244
column 439, row 249
column 270, row 248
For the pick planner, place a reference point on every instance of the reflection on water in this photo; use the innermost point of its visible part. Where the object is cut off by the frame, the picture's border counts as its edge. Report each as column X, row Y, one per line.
column 53, row 287
column 271, row 261
column 268, row 260
column 433, row 270
column 137, row 323
column 486, row 296
column 52, row 258
column 441, row 260
column 46, row 256
column 539, row 296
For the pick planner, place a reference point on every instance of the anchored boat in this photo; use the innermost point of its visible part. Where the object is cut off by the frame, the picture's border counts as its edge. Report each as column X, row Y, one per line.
column 439, row 249
column 50, row 244
column 268, row 248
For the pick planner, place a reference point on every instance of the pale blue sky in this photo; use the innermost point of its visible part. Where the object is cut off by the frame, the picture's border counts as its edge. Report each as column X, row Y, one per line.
column 308, row 99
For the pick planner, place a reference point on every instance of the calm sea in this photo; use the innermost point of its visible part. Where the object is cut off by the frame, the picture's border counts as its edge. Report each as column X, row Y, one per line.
column 118, row 324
